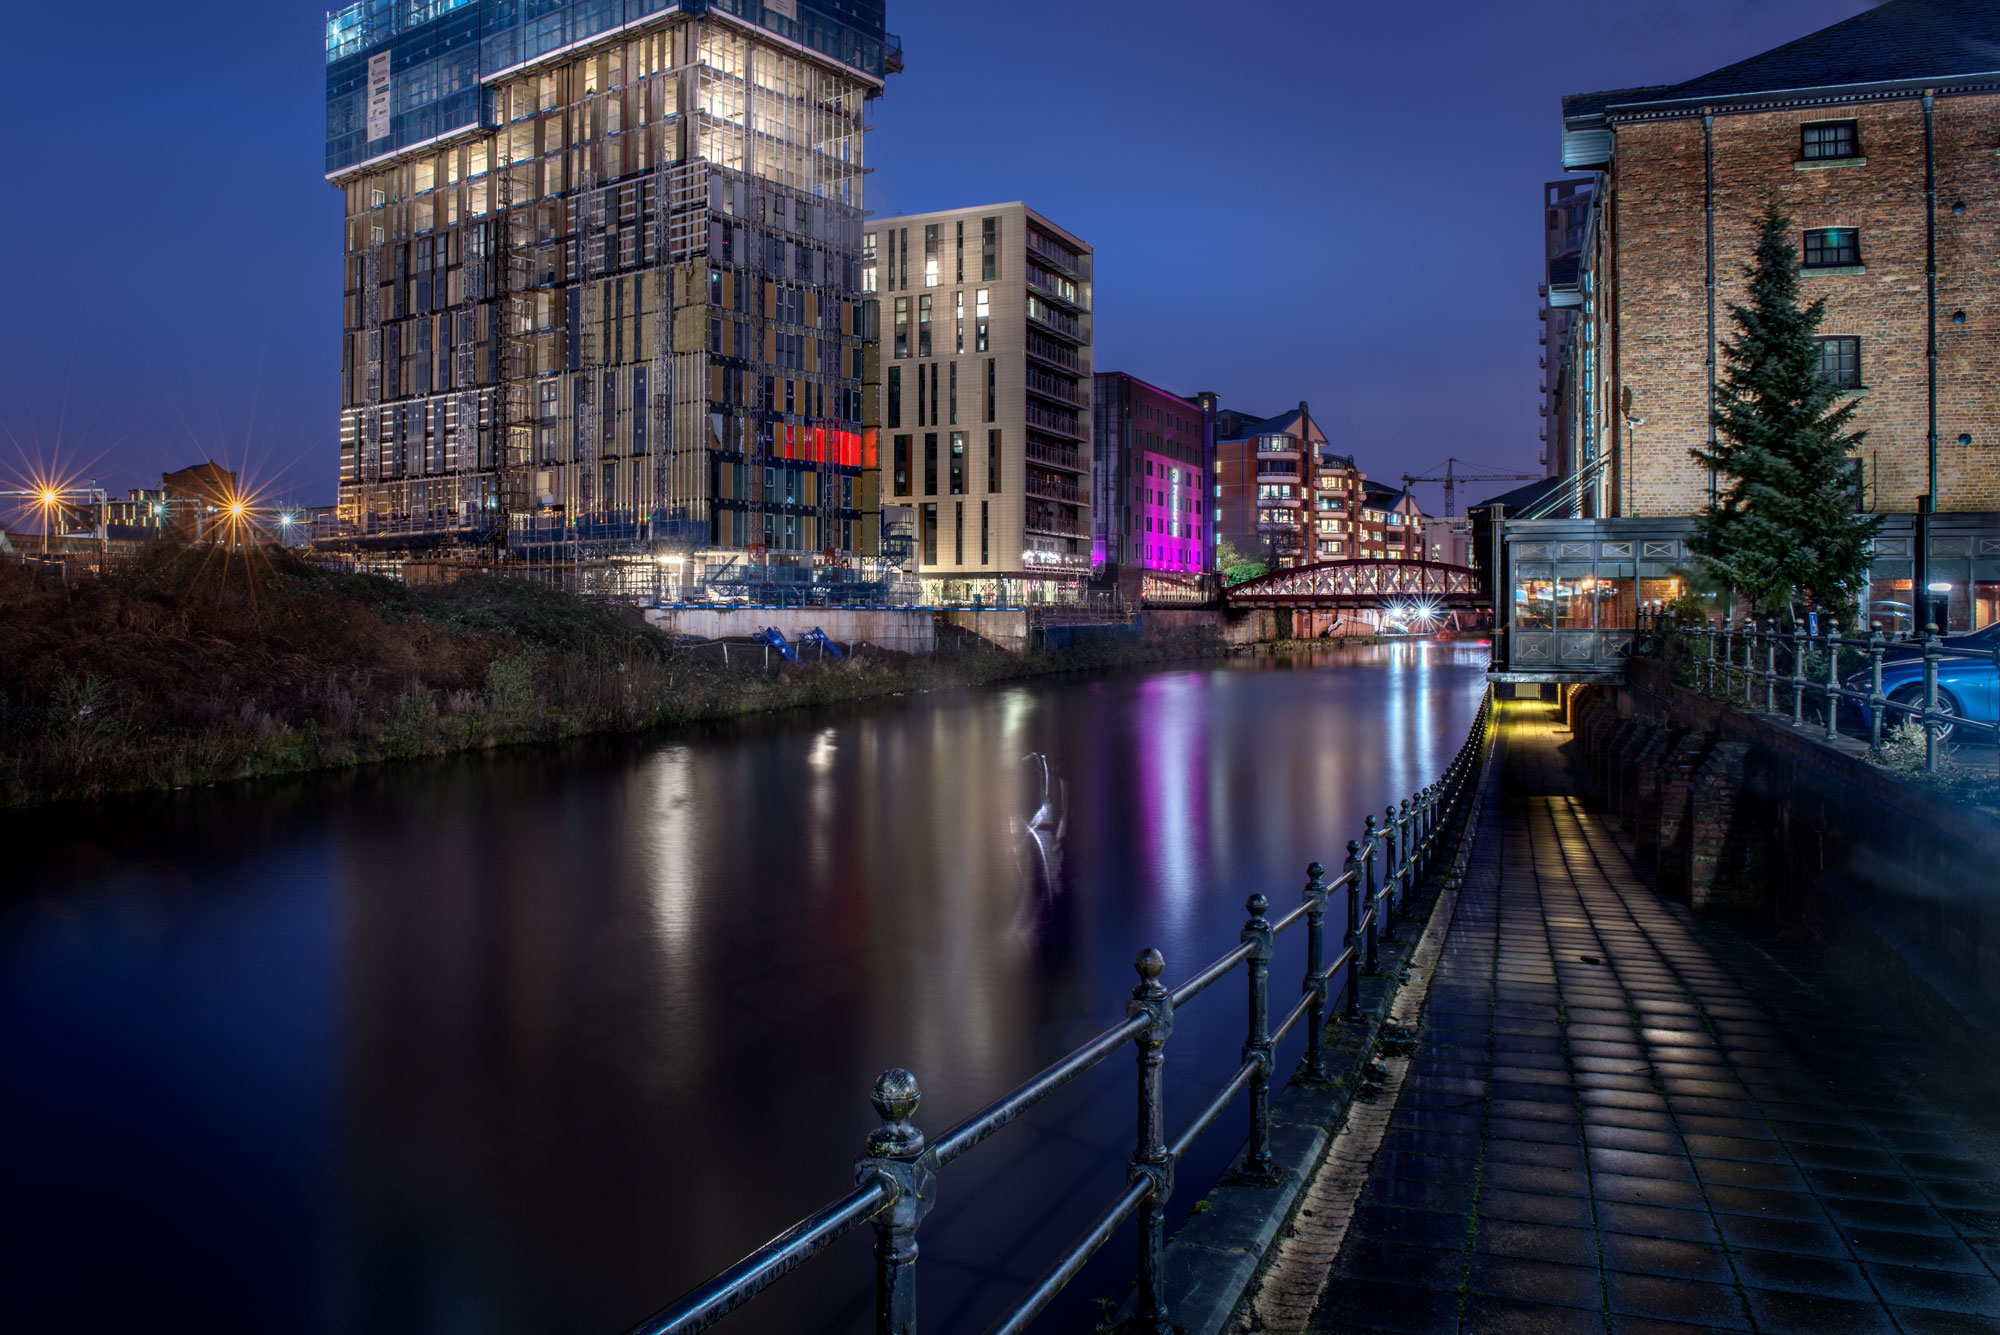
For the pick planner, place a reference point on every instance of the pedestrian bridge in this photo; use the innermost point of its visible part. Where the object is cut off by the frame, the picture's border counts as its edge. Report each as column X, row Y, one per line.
column 1372, row 584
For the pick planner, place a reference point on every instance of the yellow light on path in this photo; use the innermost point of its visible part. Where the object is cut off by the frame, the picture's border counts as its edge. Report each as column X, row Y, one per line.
column 48, row 498
column 236, row 509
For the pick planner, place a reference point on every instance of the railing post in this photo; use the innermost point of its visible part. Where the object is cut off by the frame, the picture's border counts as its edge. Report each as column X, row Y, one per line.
column 1749, row 662
column 1315, row 984
column 1876, row 700
column 1753, row 633
column 1149, row 1151
column 1771, row 666
column 1352, row 872
column 1404, row 858
column 1729, row 660
column 1371, row 887
column 1798, row 675
column 1931, row 656
column 1832, row 679
column 1257, row 1041
column 1391, row 862
column 897, row 1156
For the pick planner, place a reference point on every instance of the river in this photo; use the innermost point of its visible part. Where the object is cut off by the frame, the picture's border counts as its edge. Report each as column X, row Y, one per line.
column 535, row 1041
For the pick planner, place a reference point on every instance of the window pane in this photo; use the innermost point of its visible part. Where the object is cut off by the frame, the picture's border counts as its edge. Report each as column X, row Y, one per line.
column 1533, row 600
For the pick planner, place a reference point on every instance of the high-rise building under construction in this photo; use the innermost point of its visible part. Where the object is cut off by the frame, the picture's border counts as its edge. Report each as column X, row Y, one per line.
column 603, row 275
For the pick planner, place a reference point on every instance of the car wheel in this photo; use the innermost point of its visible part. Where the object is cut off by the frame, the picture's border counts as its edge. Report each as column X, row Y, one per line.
column 1913, row 696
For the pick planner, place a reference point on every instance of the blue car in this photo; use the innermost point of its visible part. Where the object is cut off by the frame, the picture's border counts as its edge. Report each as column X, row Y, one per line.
column 1968, row 685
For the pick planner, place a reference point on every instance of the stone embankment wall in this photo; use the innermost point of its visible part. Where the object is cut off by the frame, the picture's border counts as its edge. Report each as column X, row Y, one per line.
column 1742, row 813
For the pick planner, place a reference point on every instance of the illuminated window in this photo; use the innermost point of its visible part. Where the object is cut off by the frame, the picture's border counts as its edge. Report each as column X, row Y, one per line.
column 930, row 255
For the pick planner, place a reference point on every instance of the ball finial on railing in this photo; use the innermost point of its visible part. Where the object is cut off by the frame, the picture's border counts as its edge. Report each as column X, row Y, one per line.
column 1150, row 964
column 895, row 1097
column 1314, row 871
column 1256, row 905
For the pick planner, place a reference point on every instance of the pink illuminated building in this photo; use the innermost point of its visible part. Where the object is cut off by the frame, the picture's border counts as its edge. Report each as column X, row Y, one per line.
column 1153, row 461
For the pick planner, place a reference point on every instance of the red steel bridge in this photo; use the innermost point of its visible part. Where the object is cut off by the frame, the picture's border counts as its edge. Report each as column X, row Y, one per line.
column 1360, row 585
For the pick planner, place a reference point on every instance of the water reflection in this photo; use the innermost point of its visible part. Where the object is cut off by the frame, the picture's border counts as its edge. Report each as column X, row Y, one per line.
column 533, row 1042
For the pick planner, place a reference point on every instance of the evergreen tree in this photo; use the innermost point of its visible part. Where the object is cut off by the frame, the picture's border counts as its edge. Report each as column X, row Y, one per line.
column 1784, row 528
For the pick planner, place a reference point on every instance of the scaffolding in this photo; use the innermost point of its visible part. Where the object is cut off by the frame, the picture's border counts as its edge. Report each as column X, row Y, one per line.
column 630, row 151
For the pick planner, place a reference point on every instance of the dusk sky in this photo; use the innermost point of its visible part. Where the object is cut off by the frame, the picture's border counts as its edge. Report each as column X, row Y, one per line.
column 1335, row 202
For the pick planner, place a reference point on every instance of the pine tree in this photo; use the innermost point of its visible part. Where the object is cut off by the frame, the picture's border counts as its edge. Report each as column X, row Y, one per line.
column 1784, row 529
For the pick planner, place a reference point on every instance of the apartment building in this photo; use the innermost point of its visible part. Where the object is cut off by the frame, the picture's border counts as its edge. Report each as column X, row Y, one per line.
column 1152, row 458
column 602, row 265
column 985, row 398
column 1565, row 221
column 1264, row 483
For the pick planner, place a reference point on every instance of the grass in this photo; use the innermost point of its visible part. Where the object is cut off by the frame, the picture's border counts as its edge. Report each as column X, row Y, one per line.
column 194, row 664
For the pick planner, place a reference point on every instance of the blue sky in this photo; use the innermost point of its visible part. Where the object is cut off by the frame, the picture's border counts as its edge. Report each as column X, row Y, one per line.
column 1335, row 202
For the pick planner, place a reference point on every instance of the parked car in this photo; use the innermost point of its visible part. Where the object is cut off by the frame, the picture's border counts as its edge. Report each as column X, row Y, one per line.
column 1968, row 686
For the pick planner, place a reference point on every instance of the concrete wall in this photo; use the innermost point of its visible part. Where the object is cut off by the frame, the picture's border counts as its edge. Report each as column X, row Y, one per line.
column 911, row 631
column 1006, row 629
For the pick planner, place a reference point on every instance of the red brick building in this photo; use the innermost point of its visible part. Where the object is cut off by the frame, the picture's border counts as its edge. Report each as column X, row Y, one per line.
column 1878, row 137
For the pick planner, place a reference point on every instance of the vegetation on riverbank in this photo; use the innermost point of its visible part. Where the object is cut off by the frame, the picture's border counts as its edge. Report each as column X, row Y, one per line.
column 195, row 665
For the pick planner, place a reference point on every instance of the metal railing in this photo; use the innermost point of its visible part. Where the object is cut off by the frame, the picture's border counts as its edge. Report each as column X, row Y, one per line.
column 899, row 1167
column 1785, row 666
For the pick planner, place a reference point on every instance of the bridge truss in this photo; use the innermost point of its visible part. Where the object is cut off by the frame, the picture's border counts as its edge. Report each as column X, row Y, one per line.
column 1360, row 584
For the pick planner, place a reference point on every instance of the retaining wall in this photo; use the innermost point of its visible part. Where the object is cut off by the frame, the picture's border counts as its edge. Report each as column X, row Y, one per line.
column 912, row 630
column 1743, row 813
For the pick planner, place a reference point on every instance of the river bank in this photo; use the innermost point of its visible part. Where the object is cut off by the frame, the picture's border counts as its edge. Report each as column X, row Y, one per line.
column 198, row 665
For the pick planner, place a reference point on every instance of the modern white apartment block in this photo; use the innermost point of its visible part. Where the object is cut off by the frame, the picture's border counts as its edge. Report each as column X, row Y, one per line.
column 986, row 397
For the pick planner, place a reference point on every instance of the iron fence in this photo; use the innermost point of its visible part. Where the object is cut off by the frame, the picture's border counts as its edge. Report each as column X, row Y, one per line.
column 897, row 1173
column 1790, row 667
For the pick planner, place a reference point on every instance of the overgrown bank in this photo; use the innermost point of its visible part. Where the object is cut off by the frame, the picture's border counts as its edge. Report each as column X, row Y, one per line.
column 196, row 665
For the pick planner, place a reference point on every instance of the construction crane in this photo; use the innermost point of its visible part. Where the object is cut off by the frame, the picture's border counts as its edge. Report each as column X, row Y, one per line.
column 1451, row 477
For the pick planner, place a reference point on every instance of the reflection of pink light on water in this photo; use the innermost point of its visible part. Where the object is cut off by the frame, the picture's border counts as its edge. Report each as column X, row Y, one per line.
column 1169, row 724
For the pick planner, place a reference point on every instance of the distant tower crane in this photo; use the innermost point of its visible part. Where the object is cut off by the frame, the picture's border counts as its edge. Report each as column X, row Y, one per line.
column 1452, row 477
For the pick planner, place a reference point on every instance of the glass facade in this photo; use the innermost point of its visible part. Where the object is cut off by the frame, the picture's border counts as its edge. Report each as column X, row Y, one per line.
column 402, row 72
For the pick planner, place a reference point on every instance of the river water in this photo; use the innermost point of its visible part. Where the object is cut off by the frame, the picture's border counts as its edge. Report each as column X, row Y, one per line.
column 536, row 1041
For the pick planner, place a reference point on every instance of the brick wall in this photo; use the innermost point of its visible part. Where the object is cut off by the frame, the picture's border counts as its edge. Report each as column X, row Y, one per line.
column 1650, row 286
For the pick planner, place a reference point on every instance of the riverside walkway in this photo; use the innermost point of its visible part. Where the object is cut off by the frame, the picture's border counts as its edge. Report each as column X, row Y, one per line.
column 1623, row 1119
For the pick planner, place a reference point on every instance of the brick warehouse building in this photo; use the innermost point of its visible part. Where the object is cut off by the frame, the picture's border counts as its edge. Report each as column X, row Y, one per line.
column 1878, row 136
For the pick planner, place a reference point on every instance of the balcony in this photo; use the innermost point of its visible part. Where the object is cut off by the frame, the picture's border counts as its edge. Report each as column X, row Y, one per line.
column 1057, row 288
column 1048, row 386
column 1063, row 424
column 1044, row 519
column 1056, row 489
column 1049, row 318
column 1055, row 354
column 1049, row 252
column 1054, row 456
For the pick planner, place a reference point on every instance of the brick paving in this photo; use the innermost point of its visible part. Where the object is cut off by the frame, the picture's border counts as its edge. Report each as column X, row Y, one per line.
column 1623, row 1118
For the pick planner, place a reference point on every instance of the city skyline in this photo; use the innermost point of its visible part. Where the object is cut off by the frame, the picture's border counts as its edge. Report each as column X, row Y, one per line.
column 1363, row 330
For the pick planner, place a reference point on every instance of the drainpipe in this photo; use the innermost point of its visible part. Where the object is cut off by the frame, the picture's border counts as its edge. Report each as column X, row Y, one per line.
column 1708, row 211
column 1920, row 585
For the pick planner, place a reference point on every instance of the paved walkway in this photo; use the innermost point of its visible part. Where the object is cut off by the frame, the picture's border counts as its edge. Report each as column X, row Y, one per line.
column 1621, row 1118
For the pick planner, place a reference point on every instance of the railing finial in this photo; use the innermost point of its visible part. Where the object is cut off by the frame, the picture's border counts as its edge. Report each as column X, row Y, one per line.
column 895, row 1097
column 1150, row 964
